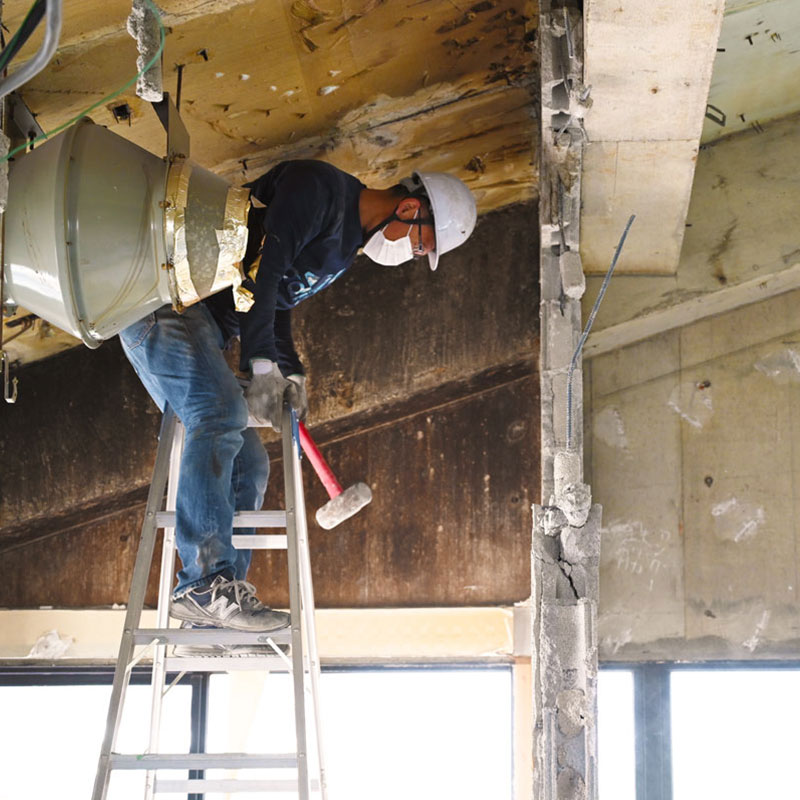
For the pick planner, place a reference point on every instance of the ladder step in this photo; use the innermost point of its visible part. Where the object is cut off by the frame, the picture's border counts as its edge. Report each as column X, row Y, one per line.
column 200, row 785
column 267, row 663
column 153, row 761
column 259, row 541
column 209, row 636
column 241, row 519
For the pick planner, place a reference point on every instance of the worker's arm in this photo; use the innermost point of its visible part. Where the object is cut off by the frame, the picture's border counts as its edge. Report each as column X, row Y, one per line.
column 288, row 360
column 296, row 214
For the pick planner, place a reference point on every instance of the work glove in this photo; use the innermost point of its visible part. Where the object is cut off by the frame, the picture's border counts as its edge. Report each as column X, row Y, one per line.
column 298, row 396
column 265, row 393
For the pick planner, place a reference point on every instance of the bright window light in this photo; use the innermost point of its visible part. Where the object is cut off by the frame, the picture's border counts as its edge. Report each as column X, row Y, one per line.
column 734, row 733
column 393, row 734
column 51, row 737
column 616, row 736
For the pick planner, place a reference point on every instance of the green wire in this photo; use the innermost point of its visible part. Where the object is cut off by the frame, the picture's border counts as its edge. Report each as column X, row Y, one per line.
column 104, row 99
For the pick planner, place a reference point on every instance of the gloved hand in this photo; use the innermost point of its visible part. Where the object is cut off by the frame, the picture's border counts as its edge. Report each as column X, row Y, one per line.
column 298, row 396
column 265, row 393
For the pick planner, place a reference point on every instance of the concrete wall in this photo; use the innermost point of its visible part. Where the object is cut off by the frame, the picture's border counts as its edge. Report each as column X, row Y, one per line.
column 742, row 225
column 693, row 435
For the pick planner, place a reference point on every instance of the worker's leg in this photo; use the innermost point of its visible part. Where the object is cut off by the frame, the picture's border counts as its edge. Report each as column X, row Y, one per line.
column 250, row 476
column 179, row 360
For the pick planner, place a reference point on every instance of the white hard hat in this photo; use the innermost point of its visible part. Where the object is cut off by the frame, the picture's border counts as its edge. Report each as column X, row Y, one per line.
column 453, row 208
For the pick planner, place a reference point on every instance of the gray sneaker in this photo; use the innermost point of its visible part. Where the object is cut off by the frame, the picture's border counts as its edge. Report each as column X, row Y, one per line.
column 217, row 650
column 228, row 604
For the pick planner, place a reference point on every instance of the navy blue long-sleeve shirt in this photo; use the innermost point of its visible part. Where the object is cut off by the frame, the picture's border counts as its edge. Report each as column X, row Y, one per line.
column 312, row 231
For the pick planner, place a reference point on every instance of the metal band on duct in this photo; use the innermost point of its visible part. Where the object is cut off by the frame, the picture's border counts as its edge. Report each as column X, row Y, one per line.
column 181, row 285
column 232, row 240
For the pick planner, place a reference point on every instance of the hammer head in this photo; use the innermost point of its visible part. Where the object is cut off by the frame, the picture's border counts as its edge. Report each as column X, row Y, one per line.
column 344, row 505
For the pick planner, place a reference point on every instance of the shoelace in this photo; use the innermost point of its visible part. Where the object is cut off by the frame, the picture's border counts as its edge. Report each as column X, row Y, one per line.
column 243, row 591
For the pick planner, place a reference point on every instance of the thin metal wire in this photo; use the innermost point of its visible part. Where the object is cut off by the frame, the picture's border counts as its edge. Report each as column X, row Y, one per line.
column 588, row 327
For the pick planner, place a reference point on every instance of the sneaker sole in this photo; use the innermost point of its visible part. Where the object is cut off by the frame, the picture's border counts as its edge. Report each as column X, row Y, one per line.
column 221, row 651
column 189, row 615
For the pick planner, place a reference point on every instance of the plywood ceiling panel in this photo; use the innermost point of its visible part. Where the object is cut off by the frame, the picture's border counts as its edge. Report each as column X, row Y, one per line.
column 260, row 75
column 378, row 88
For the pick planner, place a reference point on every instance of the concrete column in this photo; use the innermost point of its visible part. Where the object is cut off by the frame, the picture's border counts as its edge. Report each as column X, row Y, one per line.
column 566, row 544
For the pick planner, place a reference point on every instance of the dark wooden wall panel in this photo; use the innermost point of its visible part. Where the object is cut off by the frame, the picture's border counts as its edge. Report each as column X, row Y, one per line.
column 380, row 333
column 424, row 385
column 449, row 523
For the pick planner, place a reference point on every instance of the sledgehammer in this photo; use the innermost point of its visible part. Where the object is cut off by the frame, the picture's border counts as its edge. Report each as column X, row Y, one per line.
column 343, row 503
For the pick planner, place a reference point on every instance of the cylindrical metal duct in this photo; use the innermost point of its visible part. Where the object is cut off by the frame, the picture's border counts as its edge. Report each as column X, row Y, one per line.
column 100, row 232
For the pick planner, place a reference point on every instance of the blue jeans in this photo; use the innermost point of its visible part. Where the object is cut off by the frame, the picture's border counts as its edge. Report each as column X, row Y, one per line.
column 224, row 466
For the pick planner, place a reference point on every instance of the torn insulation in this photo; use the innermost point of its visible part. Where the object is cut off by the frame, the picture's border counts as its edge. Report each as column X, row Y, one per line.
column 143, row 26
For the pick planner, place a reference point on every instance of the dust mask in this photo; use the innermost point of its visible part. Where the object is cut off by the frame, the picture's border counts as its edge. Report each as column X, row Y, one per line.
column 387, row 252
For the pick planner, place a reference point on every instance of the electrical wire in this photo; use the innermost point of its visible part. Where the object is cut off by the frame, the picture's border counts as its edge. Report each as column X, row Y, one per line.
column 28, row 26
column 103, row 100
column 588, row 327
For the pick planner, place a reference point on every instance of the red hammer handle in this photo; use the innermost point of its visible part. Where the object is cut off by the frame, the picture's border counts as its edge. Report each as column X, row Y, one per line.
column 318, row 462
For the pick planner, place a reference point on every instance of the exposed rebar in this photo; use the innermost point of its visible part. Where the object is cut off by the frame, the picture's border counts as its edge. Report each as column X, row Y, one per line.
column 588, row 327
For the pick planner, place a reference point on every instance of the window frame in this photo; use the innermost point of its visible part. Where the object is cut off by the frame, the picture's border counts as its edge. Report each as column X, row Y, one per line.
column 653, row 714
column 99, row 675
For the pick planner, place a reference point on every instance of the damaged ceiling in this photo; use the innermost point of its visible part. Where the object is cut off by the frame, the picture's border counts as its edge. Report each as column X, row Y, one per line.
column 376, row 88
column 379, row 88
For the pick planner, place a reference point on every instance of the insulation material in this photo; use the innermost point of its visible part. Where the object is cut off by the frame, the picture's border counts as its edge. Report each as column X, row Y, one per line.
column 143, row 26
column 206, row 234
column 51, row 645
column 232, row 241
column 180, row 175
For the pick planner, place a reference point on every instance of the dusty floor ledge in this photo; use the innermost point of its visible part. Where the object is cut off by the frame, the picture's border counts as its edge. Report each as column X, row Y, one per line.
column 430, row 634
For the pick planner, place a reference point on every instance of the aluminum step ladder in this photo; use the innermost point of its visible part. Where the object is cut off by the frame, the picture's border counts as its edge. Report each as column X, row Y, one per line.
column 303, row 663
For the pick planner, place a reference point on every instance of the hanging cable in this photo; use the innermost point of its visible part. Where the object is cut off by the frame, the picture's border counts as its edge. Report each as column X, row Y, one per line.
column 103, row 100
column 28, row 26
column 588, row 327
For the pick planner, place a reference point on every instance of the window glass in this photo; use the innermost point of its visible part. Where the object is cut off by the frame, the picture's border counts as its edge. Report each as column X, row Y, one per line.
column 51, row 736
column 616, row 743
column 393, row 734
column 734, row 733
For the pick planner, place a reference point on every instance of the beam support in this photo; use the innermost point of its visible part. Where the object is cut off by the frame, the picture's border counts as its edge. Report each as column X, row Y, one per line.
column 706, row 305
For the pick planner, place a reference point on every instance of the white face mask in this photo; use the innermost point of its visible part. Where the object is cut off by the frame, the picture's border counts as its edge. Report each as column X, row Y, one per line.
column 389, row 252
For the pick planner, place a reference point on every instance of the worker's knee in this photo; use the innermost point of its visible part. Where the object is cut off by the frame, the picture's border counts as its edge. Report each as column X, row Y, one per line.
column 222, row 412
column 254, row 461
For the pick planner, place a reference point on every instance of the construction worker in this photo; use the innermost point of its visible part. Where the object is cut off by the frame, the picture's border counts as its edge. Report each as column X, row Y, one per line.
column 311, row 222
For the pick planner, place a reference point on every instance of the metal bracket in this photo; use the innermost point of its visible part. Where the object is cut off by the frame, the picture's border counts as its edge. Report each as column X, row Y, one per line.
column 177, row 135
column 9, row 386
column 23, row 118
column 716, row 115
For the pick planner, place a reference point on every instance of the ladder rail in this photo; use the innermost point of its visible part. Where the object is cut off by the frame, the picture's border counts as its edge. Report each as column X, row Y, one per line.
column 165, row 582
column 294, row 500
column 308, row 607
column 141, row 572
column 305, row 666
